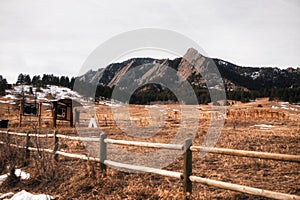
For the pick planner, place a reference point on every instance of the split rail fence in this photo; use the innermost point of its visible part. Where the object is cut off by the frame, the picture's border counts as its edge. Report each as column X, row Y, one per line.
column 186, row 176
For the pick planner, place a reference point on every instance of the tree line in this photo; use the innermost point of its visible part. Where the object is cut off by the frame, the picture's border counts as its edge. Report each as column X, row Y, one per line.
column 150, row 93
column 46, row 79
column 37, row 81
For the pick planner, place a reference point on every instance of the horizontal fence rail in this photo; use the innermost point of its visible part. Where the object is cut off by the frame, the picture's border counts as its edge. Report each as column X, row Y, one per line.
column 70, row 155
column 223, row 151
column 244, row 189
column 144, row 169
column 145, row 144
column 90, row 139
column 30, row 134
column 252, row 154
column 186, row 176
column 86, row 139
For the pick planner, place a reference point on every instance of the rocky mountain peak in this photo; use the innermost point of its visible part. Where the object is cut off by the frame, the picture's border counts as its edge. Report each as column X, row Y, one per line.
column 198, row 69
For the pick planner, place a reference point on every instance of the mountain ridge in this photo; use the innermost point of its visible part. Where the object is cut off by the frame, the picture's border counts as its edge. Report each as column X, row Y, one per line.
column 252, row 78
column 203, row 74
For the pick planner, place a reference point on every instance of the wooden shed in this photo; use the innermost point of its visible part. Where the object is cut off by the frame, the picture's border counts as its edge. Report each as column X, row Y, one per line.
column 63, row 110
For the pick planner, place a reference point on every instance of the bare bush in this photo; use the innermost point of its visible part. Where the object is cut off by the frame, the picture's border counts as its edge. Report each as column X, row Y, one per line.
column 10, row 158
column 43, row 161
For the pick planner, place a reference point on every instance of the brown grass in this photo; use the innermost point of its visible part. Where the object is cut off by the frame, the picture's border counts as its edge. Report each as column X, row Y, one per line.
column 75, row 179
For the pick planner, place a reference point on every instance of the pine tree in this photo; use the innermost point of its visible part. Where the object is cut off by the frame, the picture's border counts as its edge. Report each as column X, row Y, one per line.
column 27, row 79
column 3, row 85
column 20, row 79
column 36, row 81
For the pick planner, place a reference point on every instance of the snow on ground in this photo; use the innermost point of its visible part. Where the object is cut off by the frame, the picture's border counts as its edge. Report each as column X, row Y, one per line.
column 7, row 102
column 18, row 173
column 264, row 126
column 6, row 195
column 9, row 96
column 57, row 92
column 23, row 195
column 109, row 103
column 286, row 106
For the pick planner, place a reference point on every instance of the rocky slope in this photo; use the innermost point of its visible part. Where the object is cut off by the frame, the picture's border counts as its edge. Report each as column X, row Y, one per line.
column 198, row 70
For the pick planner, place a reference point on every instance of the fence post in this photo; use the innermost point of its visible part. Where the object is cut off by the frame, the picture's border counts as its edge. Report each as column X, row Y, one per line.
column 40, row 114
column 187, row 168
column 21, row 114
column 7, row 137
column 55, row 146
column 27, row 151
column 103, row 149
column 105, row 121
column 54, row 114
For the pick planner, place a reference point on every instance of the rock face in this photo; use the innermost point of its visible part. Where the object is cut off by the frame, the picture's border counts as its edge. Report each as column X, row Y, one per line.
column 191, row 63
column 198, row 70
column 119, row 74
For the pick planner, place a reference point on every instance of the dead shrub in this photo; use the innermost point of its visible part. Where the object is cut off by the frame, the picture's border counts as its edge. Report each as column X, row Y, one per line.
column 43, row 161
column 11, row 157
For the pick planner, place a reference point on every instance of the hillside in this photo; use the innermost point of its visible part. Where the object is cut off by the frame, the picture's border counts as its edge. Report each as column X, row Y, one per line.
column 241, row 83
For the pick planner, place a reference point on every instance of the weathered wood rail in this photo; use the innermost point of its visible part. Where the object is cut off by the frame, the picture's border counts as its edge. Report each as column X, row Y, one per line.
column 186, row 176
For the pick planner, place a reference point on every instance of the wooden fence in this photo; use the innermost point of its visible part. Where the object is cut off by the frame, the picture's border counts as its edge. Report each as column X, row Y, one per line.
column 186, row 176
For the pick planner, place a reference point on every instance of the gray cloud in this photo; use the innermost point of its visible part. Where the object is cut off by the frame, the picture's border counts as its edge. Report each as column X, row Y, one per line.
column 39, row 37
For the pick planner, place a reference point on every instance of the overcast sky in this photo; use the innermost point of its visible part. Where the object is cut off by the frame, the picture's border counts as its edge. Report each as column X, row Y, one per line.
column 56, row 36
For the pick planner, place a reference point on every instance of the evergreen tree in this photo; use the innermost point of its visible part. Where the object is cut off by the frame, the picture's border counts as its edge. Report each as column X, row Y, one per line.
column 20, row 79
column 36, row 81
column 3, row 86
column 71, row 86
column 27, row 79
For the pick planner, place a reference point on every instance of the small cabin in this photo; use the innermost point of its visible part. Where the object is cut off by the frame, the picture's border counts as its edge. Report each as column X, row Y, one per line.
column 63, row 110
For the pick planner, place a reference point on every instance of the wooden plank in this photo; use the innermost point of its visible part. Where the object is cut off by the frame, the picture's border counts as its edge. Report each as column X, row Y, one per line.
column 145, row 144
column 52, row 135
column 55, row 148
column 40, row 114
column 252, row 154
column 25, row 134
column 54, row 114
column 27, row 151
column 78, row 156
column 21, row 113
column 89, row 139
column 187, row 168
column 143, row 169
column 70, row 155
column 103, row 152
column 244, row 189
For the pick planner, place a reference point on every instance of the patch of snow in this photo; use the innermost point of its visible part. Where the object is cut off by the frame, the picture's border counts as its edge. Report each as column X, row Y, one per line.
column 57, row 92
column 4, row 196
column 109, row 103
column 286, row 108
column 2, row 178
column 264, row 126
column 222, row 62
column 23, row 195
column 47, row 104
column 9, row 96
column 284, row 103
column 18, row 173
column 255, row 75
column 8, row 102
column 22, row 174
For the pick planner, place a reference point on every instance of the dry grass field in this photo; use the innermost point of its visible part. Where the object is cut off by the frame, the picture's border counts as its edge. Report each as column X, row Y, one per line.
column 257, row 126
